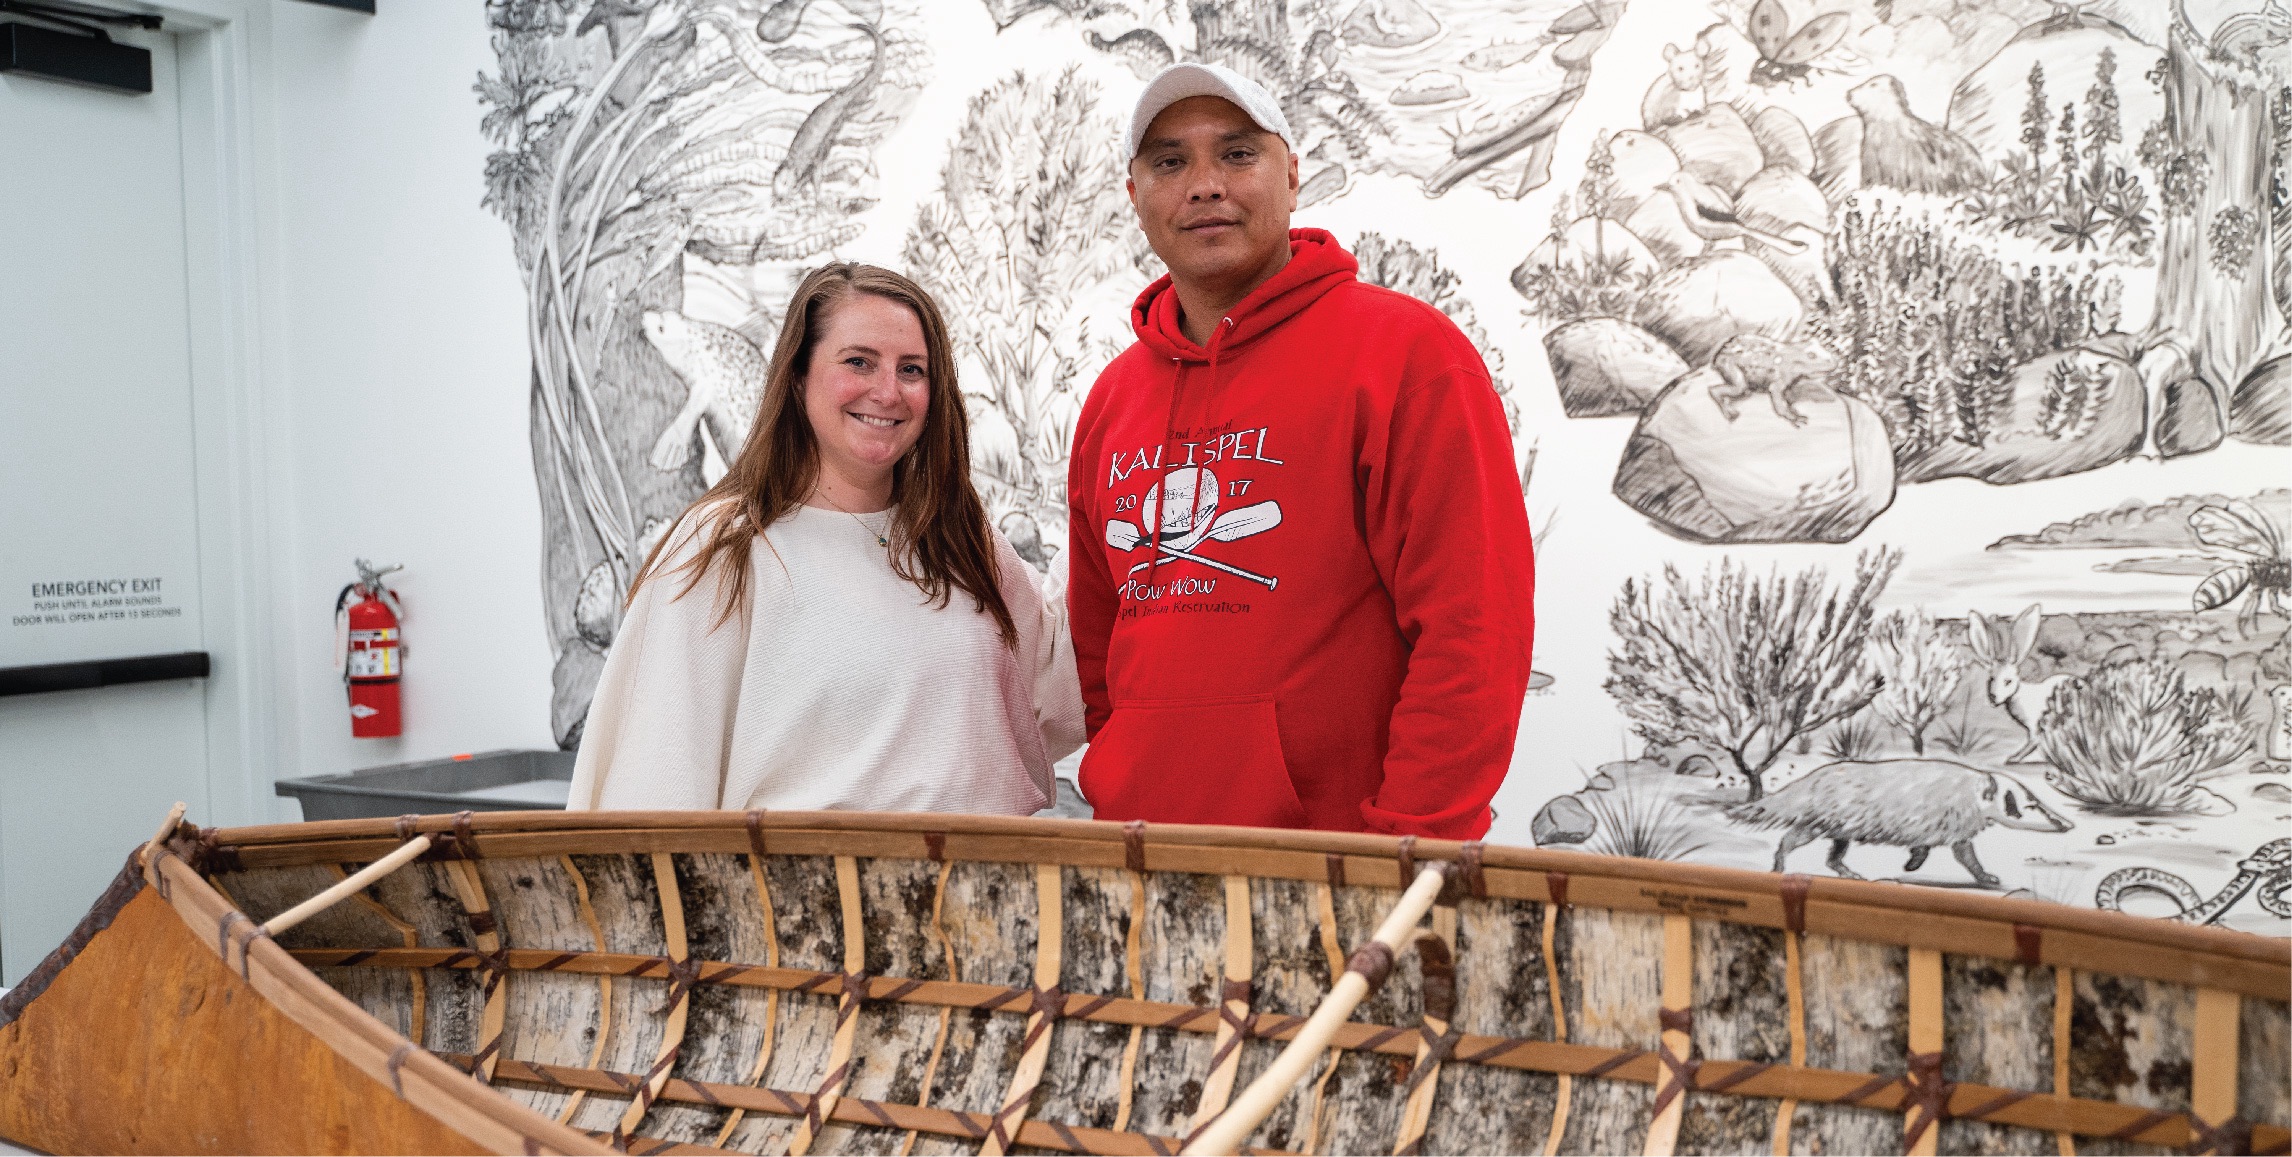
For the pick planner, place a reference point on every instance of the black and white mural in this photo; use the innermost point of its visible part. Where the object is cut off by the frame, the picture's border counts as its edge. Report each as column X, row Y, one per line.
column 1901, row 387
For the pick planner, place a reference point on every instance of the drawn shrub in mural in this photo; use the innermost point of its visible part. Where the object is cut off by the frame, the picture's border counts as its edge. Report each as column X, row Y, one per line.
column 1741, row 664
column 1918, row 667
column 637, row 148
column 1637, row 816
column 1980, row 369
column 2133, row 739
column 1029, row 226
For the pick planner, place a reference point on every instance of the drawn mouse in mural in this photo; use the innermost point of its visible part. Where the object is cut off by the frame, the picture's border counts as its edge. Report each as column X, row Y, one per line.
column 1920, row 804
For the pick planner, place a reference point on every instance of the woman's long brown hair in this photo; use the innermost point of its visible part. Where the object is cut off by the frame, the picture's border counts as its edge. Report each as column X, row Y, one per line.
column 939, row 535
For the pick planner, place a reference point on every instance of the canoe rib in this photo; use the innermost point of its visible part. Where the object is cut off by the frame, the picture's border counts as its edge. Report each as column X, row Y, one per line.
column 1893, row 1094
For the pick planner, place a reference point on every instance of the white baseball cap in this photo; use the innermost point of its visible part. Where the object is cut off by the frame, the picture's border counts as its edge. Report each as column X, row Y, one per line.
column 1180, row 81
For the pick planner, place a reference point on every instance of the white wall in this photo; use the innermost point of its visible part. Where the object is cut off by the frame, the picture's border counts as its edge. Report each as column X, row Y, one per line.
column 397, row 335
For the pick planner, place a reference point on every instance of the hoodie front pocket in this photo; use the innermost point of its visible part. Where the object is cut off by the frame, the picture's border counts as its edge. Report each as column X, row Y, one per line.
column 1192, row 761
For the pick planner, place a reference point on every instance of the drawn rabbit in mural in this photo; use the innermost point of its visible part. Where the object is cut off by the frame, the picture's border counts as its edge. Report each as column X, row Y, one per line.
column 2003, row 645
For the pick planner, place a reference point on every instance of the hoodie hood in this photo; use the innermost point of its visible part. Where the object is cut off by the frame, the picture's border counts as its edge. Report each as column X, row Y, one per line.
column 1317, row 264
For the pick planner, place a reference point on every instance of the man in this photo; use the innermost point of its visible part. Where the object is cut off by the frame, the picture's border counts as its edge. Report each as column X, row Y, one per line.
column 1300, row 575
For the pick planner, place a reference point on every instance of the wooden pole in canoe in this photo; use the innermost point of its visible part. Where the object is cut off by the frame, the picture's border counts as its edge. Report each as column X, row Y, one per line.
column 342, row 890
column 1231, row 1128
column 174, row 820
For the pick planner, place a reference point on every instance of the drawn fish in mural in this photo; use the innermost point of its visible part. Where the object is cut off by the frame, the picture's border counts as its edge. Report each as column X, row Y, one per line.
column 1141, row 50
column 808, row 149
column 1921, row 804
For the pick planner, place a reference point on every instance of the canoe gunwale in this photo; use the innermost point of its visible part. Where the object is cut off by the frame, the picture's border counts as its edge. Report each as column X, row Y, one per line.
column 2029, row 931
column 418, row 1076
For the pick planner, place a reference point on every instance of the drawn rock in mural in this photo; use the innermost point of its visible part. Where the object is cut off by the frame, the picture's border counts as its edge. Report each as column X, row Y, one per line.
column 1756, row 475
column 1838, row 158
column 1604, row 366
column 2261, row 409
column 2188, row 419
column 1700, row 303
column 1716, row 145
column 1389, row 24
column 1783, row 140
column 1565, row 820
column 1659, row 226
column 1784, row 200
column 2064, row 413
column 1986, row 106
column 1640, row 163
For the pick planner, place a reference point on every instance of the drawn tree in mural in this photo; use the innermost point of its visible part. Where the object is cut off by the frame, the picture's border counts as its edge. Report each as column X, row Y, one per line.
column 627, row 139
column 2218, row 156
column 1029, row 221
column 1742, row 664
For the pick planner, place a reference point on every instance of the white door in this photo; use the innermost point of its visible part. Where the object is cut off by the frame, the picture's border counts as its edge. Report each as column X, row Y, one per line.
column 99, row 550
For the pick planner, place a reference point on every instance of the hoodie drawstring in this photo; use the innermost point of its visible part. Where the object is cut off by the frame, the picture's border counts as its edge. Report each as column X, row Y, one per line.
column 1170, row 435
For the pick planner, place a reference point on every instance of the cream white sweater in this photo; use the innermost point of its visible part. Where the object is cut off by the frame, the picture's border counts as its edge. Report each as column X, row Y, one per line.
column 841, row 687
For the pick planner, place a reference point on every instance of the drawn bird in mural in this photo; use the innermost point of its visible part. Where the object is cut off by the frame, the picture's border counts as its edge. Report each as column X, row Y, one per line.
column 1920, row 804
column 724, row 373
column 1900, row 151
column 1710, row 213
column 2260, row 571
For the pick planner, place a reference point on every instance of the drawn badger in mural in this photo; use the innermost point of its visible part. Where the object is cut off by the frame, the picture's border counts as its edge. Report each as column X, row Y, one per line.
column 1920, row 804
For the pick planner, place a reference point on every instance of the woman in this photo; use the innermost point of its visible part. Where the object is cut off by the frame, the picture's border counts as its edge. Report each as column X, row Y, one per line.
column 835, row 624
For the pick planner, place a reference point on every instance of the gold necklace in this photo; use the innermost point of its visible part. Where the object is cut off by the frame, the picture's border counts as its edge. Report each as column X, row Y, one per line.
column 822, row 496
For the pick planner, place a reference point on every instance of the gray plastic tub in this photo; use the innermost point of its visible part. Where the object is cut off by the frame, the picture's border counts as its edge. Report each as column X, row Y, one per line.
column 491, row 781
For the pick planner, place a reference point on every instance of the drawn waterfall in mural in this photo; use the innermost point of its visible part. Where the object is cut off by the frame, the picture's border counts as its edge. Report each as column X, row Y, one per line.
column 1918, row 396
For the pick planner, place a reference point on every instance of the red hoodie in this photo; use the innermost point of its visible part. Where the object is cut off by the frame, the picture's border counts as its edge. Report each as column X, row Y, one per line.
column 1335, row 632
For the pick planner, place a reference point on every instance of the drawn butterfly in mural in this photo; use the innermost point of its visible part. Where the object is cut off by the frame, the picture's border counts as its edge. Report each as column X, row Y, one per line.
column 2262, row 573
column 1787, row 57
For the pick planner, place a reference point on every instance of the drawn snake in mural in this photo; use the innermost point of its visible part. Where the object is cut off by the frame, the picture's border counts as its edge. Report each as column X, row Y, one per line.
column 2269, row 869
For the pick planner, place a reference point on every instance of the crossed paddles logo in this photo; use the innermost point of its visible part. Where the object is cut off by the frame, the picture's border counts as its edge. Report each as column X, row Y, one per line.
column 1183, row 510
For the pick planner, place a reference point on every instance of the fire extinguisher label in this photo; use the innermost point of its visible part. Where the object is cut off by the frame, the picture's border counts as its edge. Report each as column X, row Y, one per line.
column 374, row 654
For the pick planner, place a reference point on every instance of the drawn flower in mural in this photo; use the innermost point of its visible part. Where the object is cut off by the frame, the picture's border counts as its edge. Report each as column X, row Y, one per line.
column 1029, row 228
column 2261, row 572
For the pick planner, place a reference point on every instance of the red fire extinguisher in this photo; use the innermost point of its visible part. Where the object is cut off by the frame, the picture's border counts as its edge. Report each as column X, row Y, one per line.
column 370, row 651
